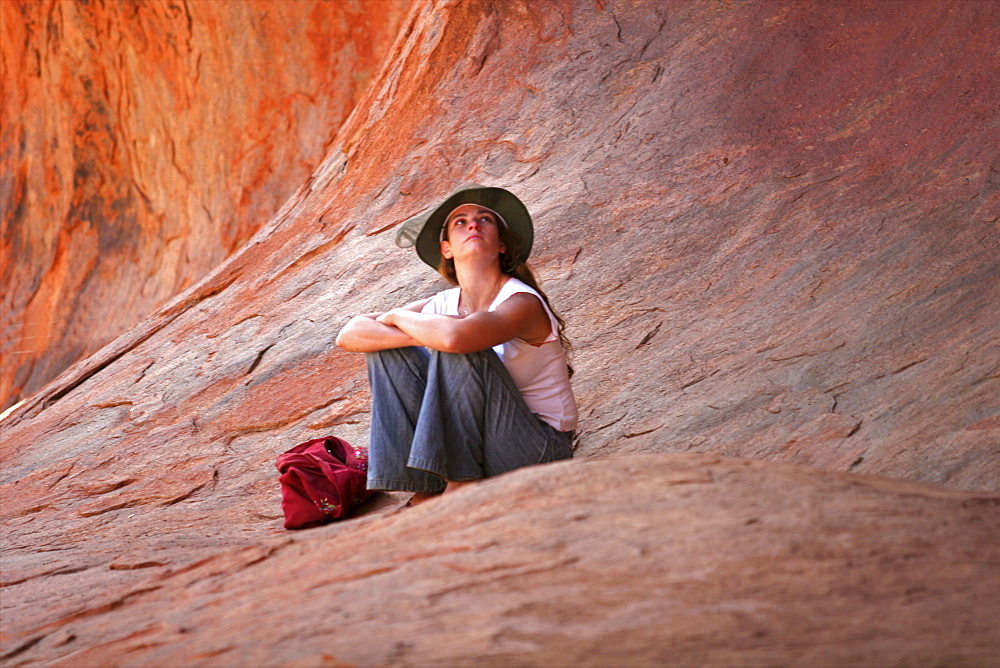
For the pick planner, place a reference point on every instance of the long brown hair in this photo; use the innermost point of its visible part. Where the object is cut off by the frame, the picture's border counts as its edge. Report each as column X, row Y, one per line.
column 511, row 264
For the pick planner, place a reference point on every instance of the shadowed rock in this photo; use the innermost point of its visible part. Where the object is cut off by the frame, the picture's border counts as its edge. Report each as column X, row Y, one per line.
column 773, row 232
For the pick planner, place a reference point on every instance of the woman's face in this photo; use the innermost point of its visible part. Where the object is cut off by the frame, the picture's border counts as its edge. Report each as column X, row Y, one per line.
column 472, row 230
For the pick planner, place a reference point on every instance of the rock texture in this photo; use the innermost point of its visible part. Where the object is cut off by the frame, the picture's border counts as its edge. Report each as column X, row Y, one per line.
column 143, row 143
column 773, row 231
column 636, row 560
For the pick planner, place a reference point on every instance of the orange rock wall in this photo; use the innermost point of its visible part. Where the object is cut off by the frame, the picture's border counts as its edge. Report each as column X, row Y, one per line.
column 143, row 142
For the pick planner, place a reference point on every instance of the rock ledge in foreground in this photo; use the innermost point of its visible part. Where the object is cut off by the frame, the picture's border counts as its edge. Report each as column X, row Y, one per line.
column 649, row 559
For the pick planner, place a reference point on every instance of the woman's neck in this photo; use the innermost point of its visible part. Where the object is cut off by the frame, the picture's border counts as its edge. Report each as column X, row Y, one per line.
column 479, row 288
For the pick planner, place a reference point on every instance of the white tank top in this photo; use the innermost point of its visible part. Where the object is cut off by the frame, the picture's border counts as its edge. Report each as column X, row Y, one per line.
column 539, row 372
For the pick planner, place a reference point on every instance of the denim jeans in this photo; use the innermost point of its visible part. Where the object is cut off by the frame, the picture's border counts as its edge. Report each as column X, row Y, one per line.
column 442, row 416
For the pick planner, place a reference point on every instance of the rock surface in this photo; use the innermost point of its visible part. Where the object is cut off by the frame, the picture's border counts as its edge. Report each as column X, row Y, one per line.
column 635, row 560
column 773, row 231
column 144, row 143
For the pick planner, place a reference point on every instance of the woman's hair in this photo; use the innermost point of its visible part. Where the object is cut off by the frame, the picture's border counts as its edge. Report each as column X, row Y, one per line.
column 512, row 266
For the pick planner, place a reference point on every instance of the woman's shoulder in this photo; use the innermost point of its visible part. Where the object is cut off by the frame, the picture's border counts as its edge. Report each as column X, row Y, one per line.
column 514, row 286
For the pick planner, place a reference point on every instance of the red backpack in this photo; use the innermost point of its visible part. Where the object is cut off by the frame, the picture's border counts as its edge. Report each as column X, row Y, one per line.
column 321, row 480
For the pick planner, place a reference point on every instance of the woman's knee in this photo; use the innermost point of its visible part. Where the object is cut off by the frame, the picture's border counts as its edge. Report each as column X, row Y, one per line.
column 478, row 361
column 394, row 357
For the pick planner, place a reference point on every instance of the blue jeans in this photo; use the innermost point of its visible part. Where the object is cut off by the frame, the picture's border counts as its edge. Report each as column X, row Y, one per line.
column 442, row 416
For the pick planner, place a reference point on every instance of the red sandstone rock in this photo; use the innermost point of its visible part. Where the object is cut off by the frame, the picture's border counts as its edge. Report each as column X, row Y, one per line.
column 782, row 245
column 142, row 143
column 773, row 232
column 645, row 560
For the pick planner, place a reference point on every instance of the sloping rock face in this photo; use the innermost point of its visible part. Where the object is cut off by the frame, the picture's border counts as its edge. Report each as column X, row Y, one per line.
column 635, row 560
column 773, row 231
column 142, row 143
column 772, row 235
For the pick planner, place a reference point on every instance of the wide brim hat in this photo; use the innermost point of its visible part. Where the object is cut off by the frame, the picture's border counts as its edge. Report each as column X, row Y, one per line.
column 424, row 230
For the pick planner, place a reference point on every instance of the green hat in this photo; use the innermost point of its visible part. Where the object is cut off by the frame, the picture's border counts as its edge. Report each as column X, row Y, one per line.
column 424, row 230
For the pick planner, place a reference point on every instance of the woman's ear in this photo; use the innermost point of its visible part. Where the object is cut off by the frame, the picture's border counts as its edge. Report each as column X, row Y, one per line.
column 446, row 250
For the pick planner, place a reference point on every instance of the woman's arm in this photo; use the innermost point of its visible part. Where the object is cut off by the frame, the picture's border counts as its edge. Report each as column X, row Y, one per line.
column 521, row 316
column 365, row 334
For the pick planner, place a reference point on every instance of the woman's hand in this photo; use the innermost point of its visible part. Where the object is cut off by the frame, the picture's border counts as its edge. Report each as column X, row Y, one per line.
column 388, row 318
column 367, row 333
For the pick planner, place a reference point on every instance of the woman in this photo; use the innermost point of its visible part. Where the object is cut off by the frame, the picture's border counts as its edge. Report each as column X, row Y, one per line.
column 473, row 381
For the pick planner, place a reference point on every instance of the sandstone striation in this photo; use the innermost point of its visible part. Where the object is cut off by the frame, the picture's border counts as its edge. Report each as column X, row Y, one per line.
column 704, row 560
column 142, row 143
column 774, row 234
